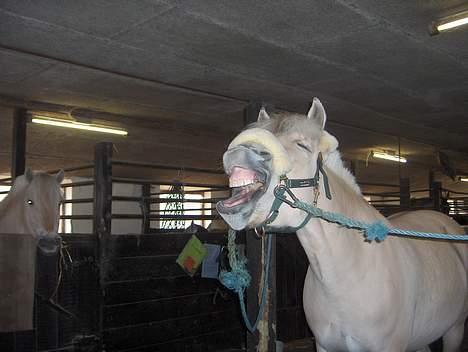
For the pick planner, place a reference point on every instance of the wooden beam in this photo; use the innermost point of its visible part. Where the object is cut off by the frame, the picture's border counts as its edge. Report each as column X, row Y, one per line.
column 264, row 339
column 436, row 195
column 102, row 216
column 18, row 152
column 405, row 195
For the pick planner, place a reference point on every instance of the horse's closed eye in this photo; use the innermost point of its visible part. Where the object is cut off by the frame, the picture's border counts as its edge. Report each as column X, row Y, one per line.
column 30, row 202
column 303, row 146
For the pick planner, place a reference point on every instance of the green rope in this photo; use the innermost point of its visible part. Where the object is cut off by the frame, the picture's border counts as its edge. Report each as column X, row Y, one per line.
column 238, row 278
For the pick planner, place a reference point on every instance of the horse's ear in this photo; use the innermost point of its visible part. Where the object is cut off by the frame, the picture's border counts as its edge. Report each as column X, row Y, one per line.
column 263, row 115
column 60, row 176
column 328, row 143
column 28, row 174
column 317, row 113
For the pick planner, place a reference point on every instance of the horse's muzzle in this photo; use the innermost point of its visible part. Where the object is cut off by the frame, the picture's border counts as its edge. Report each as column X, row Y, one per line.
column 49, row 244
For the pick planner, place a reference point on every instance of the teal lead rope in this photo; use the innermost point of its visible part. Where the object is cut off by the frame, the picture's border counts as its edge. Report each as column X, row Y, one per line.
column 238, row 278
column 372, row 231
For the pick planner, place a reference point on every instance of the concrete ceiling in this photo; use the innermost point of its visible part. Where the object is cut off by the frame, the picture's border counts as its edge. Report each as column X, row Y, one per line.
column 179, row 73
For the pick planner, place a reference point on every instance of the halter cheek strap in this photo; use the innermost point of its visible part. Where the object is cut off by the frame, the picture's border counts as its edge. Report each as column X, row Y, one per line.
column 285, row 187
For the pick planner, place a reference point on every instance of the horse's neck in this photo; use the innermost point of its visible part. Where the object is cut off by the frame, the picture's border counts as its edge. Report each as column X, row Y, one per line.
column 335, row 252
column 12, row 213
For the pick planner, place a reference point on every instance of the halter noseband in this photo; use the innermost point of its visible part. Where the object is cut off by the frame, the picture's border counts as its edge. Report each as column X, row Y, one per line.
column 285, row 186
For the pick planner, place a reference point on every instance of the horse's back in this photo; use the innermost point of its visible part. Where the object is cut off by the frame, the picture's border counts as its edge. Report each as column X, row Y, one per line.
column 439, row 267
column 426, row 220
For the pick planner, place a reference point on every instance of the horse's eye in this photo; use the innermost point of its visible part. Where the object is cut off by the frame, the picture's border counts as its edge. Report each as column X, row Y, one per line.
column 30, row 202
column 303, row 146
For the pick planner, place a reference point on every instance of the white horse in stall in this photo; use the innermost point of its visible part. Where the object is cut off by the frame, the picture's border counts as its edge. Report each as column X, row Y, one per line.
column 32, row 207
column 400, row 294
column 29, row 217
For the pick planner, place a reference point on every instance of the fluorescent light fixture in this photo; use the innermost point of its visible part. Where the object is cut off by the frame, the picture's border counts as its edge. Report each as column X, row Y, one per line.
column 450, row 22
column 387, row 156
column 464, row 179
column 45, row 120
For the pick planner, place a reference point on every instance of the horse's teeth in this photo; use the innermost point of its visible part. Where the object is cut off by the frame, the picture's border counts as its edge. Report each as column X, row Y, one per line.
column 240, row 183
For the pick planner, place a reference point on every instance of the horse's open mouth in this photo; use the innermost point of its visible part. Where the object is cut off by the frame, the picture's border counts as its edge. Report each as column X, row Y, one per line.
column 246, row 185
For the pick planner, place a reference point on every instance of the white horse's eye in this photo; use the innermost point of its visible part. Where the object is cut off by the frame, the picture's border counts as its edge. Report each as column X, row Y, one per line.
column 303, row 146
column 30, row 202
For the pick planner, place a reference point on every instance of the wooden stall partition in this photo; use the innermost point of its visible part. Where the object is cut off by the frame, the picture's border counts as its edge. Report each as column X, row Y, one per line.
column 151, row 304
column 291, row 269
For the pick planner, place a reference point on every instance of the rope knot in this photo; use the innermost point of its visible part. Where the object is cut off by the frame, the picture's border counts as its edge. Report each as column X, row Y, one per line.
column 236, row 280
column 377, row 231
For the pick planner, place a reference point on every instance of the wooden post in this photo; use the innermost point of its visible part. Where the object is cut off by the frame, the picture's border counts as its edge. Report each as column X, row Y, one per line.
column 18, row 152
column 436, row 195
column 146, row 207
column 405, row 194
column 102, row 216
column 264, row 339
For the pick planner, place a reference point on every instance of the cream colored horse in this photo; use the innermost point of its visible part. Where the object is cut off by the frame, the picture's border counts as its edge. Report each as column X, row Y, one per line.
column 29, row 216
column 32, row 207
column 397, row 295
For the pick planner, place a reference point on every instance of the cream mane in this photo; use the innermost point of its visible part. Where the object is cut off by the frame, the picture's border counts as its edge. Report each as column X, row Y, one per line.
column 334, row 163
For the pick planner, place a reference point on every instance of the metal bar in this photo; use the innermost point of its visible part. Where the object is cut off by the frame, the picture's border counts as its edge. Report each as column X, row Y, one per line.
column 164, row 200
column 378, row 184
column 387, row 206
column 166, row 217
column 78, row 200
column 384, row 201
column 185, row 211
column 18, row 152
column 156, row 182
column 383, row 194
column 420, row 190
column 73, row 168
column 455, row 192
column 78, row 184
column 221, row 189
column 77, row 217
column 165, row 167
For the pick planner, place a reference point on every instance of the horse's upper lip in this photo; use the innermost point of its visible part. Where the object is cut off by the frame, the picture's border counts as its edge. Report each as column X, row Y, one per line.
column 246, row 184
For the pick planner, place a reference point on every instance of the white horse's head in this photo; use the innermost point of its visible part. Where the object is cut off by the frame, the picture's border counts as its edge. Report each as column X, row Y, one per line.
column 40, row 197
column 286, row 144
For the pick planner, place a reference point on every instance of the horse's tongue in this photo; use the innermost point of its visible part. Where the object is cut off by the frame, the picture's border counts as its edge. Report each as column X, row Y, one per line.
column 239, row 174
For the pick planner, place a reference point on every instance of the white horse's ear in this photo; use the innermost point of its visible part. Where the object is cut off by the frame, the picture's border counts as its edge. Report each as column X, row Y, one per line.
column 317, row 113
column 28, row 174
column 60, row 176
column 328, row 143
column 263, row 115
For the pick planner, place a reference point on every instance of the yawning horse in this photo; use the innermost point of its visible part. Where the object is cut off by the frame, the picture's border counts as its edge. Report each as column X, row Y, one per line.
column 397, row 295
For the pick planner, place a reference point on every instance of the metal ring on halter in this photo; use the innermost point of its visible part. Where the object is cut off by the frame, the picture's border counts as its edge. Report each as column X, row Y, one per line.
column 261, row 234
